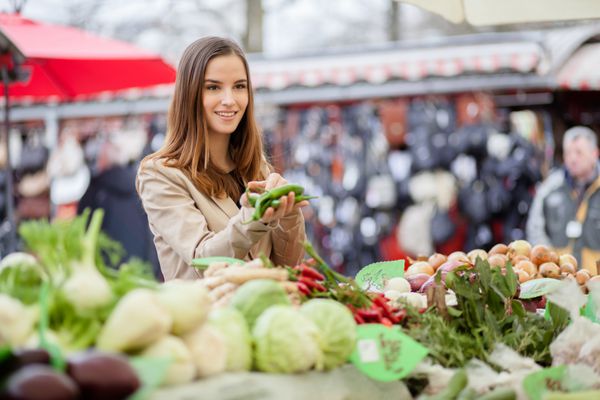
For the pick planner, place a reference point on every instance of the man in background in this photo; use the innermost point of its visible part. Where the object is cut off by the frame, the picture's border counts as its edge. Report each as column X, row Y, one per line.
column 565, row 213
column 112, row 188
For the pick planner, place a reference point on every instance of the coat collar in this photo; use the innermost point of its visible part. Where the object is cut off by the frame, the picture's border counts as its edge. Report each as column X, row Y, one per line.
column 227, row 205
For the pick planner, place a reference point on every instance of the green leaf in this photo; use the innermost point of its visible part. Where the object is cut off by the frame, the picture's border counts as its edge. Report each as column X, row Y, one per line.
column 56, row 358
column 151, row 372
column 203, row 263
column 5, row 353
column 454, row 312
column 511, row 279
column 559, row 317
column 517, row 308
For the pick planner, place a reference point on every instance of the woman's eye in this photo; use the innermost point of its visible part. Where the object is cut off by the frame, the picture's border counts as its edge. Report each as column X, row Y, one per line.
column 212, row 87
column 241, row 86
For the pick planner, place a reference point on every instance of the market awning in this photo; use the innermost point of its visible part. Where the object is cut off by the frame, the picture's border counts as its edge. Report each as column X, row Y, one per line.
column 582, row 70
column 376, row 67
column 494, row 12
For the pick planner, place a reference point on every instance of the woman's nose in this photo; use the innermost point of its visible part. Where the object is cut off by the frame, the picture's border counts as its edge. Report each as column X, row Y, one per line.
column 227, row 99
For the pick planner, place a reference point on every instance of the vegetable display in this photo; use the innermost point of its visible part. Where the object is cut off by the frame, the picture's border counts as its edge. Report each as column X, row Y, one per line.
column 74, row 324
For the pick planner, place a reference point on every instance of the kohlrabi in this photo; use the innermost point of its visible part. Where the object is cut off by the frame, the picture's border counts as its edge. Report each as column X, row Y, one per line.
column 85, row 288
column 137, row 321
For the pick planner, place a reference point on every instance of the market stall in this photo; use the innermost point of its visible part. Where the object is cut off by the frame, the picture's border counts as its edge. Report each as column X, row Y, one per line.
column 480, row 116
column 447, row 326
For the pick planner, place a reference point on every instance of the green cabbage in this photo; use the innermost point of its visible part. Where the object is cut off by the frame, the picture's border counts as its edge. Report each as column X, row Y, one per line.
column 233, row 328
column 254, row 297
column 337, row 327
column 286, row 341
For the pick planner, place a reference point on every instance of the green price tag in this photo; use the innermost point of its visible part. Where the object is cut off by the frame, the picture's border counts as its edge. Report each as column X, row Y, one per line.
column 538, row 287
column 385, row 353
column 373, row 276
column 535, row 385
column 589, row 311
column 203, row 263
column 152, row 372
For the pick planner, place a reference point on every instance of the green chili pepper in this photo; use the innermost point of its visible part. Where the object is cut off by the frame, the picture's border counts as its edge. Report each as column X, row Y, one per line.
column 252, row 197
column 284, row 190
column 271, row 198
column 275, row 203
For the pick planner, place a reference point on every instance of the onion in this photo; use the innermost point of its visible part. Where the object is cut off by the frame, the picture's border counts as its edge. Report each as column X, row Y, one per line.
column 497, row 260
column 527, row 266
column 519, row 247
column 550, row 270
column 542, row 254
column 477, row 253
column 567, row 259
column 523, row 275
column 437, row 259
column 416, row 281
column 459, row 256
column 430, row 282
column 500, row 248
column 420, row 267
column 450, row 265
column 582, row 276
column 399, row 284
column 568, row 268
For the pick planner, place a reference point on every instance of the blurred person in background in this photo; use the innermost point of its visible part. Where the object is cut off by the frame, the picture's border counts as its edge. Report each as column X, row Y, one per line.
column 112, row 188
column 565, row 213
column 193, row 187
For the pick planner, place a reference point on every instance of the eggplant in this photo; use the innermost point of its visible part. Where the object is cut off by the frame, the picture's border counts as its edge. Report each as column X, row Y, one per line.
column 103, row 375
column 39, row 382
column 21, row 358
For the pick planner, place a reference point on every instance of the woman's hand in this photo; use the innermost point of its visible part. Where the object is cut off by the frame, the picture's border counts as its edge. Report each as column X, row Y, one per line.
column 288, row 203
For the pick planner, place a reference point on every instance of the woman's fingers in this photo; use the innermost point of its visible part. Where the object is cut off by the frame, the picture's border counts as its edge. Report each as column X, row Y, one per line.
column 274, row 180
column 244, row 200
column 257, row 186
column 301, row 204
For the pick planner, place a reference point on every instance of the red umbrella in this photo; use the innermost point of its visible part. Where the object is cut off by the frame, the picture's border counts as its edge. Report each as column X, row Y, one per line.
column 66, row 63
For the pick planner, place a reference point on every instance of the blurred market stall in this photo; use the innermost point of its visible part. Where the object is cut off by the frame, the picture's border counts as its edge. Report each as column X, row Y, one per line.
column 429, row 145
column 490, row 12
column 51, row 64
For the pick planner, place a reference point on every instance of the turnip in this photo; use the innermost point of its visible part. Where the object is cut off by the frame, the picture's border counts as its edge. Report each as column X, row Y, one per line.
column 182, row 368
column 85, row 288
column 16, row 321
column 416, row 300
column 137, row 321
column 187, row 302
column 209, row 350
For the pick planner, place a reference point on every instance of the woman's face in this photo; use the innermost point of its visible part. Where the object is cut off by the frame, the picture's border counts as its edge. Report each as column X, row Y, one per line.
column 225, row 94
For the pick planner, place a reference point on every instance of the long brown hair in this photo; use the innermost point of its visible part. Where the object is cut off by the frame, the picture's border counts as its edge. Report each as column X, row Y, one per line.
column 186, row 143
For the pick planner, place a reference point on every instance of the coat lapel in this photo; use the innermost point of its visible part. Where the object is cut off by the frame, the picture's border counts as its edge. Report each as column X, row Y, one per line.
column 227, row 205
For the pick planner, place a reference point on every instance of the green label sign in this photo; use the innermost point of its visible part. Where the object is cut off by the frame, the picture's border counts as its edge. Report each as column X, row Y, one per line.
column 538, row 287
column 536, row 384
column 589, row 311
column 385, row 353
column 203, row 263
column 373, row 276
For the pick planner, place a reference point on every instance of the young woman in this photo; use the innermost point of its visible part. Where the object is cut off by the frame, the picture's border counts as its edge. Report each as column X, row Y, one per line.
column 193, row 188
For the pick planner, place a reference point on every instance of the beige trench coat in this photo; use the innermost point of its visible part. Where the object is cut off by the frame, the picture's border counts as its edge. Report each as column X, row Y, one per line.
column 188, row 224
